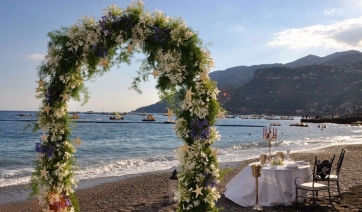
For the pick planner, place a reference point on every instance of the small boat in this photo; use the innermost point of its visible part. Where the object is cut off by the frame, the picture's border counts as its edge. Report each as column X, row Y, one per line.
column 275, row 124
column 89, row 112
column 299, row 125
column 149, row 118
column 170, row 122
column 229, row 116
column 322, row 126
column 23, row 114
column 287, row 118
column 272, row 117
column 74, row 116
column 117, row 117
column 255, row 116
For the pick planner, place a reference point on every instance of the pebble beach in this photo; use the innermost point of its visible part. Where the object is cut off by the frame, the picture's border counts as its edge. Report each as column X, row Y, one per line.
column 149, row 191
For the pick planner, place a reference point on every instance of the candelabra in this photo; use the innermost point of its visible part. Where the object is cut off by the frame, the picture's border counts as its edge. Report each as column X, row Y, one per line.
column 256, row 172
column 270, row 135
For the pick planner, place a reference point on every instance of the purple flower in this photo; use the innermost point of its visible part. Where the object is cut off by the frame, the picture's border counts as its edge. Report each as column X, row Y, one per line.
column 48, row 97
column 38, row 148
column 68, row 202
column 199, row 129
column 101, row 52
column 161, row 34
column 209, row 180
column 94, row 47
column 49, row 151
column 106, row 24
column 126, row 22
column 103, row 22
column 46, row 150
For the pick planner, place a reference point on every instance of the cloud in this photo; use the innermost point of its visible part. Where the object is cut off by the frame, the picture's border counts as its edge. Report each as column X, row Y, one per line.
column 328, row 12
column 345, row 34
column 35, row 56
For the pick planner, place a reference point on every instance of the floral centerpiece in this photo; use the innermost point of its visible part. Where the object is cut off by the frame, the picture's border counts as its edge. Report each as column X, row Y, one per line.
column 174, row 55
column 276, row 161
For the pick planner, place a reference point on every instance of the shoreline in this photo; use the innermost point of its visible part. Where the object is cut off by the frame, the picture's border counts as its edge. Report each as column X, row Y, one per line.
column 21, row 192
column 149, row 191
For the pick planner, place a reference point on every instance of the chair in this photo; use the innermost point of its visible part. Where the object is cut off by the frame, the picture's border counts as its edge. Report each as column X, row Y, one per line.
column 335, row 177
column 321, row 170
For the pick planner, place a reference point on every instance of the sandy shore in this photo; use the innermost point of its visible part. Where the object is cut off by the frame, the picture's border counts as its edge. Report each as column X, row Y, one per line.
column 149, row 192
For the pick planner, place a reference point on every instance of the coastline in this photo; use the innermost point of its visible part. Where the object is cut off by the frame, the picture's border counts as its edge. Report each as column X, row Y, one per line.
column 20, row 193
column 149, row 191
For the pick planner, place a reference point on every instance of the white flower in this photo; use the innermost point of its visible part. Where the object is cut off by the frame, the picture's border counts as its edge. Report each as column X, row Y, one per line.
column 112, row 10
column 67, row 155
column 119, row 39
column 53, row 198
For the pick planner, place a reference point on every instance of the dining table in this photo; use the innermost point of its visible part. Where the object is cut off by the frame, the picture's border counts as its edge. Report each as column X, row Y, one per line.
column 275, row 185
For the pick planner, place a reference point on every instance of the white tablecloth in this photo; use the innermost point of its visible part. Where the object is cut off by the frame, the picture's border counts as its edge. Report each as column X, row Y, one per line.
column 276, row 186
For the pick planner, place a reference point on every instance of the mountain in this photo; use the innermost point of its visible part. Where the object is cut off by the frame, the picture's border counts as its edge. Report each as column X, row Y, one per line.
column 237, row 76
column 158, row 107
column 307, row 60
column 315, row 89
column 335, row 58
column 346, row 54
column 236, row 79
column 346, row 59
column 226, row 81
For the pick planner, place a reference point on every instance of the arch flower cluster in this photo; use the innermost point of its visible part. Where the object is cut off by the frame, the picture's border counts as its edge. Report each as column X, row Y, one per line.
column 174, row 55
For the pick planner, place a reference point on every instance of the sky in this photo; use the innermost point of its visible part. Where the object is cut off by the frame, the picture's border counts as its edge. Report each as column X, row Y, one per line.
column 240, row 33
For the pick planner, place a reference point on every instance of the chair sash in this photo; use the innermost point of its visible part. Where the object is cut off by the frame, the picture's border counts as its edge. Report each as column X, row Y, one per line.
column 322, row 170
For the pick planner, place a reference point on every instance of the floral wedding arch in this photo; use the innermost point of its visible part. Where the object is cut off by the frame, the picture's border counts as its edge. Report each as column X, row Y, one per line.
column 89, row 48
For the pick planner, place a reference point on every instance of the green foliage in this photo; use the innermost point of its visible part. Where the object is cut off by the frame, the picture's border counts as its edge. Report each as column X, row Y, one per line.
column 224, row 172
column 75, row 202
column 87, row 50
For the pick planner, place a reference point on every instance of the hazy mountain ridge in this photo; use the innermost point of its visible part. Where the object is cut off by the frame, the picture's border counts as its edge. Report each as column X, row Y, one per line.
column 237, row 76
column 231, row 81
column 344, row 57
column 315, row 89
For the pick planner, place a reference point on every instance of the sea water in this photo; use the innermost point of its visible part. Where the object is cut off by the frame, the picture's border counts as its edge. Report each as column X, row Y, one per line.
column 112, row 148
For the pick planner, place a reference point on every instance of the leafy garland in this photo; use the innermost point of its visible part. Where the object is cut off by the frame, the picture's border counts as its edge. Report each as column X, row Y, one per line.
column 88, row 49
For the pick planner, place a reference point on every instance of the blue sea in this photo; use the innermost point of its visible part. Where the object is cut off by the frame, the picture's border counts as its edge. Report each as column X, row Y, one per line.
column 122, row 147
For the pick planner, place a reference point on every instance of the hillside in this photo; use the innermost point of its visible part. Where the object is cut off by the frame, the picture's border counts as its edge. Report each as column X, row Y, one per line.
column 345, row 59
column 316, row 89
column 237, row 76
column 226, row 80
column 236, row 82
column 158, row 107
